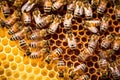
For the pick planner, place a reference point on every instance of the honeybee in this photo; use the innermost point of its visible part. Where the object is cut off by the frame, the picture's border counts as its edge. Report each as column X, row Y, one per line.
column 104, row 68
column 87, row 10
column 53, row 26
column 39, row 44
column 38, row 54
column 23, row 45
column 95, row 3
column 116, row 43
column 61, row 68
column 17, row 3
column 102, row 6
column 54, row 55
column 71, row 40
column 58, row 4
column 117, row 9
column 80, row 70
column 93, row 41
column 68, row 21
column 105, row 23
column 85, row 53
column 115, row 72
column 106, row 41
column 15, row 28
column 5, row 8
column 83, row 77
column 71, row 6
column 21, row 34
column 26, row 18
column 47, row 6
column 28, row 5
column 39, row 34
column 12, row 18
column 44, row 21
column 78, row 9
column 91, row 25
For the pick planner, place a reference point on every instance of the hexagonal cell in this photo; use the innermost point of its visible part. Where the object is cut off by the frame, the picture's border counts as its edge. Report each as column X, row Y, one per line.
column 89, row 63
column 76, row 64
column 66, row 57
column 113, row 17
column 94, row 77
column 1, row 70
column 5, row 64
column 92, row 70
column 74, row 27
column 51, row 74
column 61, row 36
column 69, row 64
column 44, row 72
column 8, row 72
column 3, row 56
column 115, row 22
column 4, row 41
column 13, row 66
column 80, row 27
column 94, row 58
column 80, row 45
column 58, row 43
column 55, row 36
column 73, row 58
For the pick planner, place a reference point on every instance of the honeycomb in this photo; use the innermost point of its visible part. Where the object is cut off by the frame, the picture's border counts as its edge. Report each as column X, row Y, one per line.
column 14, row 66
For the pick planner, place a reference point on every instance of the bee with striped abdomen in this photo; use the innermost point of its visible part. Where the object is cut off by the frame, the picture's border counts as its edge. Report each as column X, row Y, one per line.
column 68, row 21
column 78, row 9
column 47, row 6
column 12, row 18
column 71, row 40
column 71, row 6
column 15, row 28
column 53, row 26
column 105, row 23
column 39, row 44
column 39, row 34
column 40, row 53
column 54, row 55
column 5, row 8
column 26, row 17
column 80, row 70
column 21, row 34
column 106, row 41
column 87, row 10
column 23, row 45
column 116, row 43
column 102, row 6
column 83, row 77
column 91, row 25
column 58, row 4
column 61, row 68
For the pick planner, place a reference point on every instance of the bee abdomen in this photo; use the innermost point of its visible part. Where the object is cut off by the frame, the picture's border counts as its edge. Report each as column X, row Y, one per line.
column 59, row 51
column 10, row 32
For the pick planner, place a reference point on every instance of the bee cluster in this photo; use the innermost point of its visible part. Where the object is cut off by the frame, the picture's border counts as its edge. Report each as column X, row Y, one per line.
column 69, row 32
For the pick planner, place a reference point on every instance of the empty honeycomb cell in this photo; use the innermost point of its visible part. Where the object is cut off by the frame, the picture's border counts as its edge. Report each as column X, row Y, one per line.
column 79, row 20
column 55, row 36
column 29, row 69
column 66, row 57
column 61, row 36
column 36, row 70
column 96, row 65
column 34, row 64
column 115, row 23
column 7, row 49
column 80, row 27
column 94, row 58
column 4, row 41
column 8, row 72
column 74, row 27
column 18, row 59
column 2, row 56
column 1, row 70
column 69, row 51
column 73, row 58
column 94, row 77
column 1, row 48
column 80, row 45
column 51, row 74
column 92, row 70
column 39, row 78
column 26, row 60
column 69, row 64
column 84, row 39
column 52, row 42
column 49, row 67
column 12, row 43
column 21, row 67
column 81, row 33
column 65, row 43
column 88, row 33
column 10, row 57
column 86, row 45
column 5, row 64
column 31, row 77
column 44, row 72
column 13, row 66
column 24, row 76
column 15, row 51
column 41, row 64
column 89, row 63
column 117, row 28
column 54, row 47
column 16, row 74
column 58, row 43
column 59, row 30
column 111, row 29
column 110, row 10
column 113, row 17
